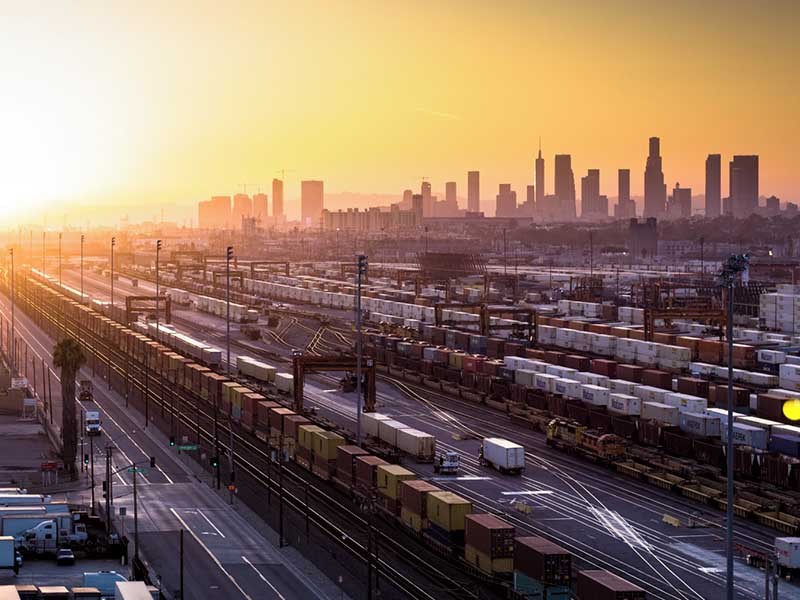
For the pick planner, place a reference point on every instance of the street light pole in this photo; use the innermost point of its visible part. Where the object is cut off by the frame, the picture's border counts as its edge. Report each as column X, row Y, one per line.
column 113, row 243
column 361, row 268
column 82, row 238
column 228, row 257
column 158, row 252
column 736, row 265
column 13, row 334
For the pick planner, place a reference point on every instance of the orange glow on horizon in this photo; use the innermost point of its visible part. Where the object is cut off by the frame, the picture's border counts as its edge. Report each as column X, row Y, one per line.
column 144, row 105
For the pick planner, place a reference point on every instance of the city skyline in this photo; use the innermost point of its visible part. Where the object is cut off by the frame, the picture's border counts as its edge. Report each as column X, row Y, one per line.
column 178, row 126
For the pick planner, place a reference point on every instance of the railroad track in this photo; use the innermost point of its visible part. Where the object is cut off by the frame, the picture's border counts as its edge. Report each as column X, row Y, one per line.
column 254, row 464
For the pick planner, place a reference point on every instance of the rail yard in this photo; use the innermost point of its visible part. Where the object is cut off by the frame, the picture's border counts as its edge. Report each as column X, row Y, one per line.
column 616, row 407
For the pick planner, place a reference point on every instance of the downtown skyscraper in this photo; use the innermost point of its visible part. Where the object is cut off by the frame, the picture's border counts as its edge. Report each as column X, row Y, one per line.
column 473, row 191
column 713, row 185
column 655, row 190
column 565, row 186
column 539, row 176
column 744, row 185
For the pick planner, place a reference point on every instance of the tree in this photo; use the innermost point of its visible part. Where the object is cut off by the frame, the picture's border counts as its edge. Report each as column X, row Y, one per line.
column 69, row 357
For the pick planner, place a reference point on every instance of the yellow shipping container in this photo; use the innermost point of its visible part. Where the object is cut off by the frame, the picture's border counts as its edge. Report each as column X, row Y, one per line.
column 456, row 360
column 325, row 444
column 237, row 395
column 389, row 478
column 411, row 519
column 305, row 434
column 447, row 510
column 481, row 561
column 227, row 386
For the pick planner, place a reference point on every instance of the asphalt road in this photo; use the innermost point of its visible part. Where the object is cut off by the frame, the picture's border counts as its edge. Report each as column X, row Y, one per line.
column 226, row 554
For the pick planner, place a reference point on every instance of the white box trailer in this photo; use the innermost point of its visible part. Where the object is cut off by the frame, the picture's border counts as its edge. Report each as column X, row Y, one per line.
column 418, row 444
column 787, row 550
column 503, row 455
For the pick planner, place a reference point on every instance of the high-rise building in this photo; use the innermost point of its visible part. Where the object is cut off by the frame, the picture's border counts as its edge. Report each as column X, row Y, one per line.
column 473, row 191
column 680, row 203
column 744, row 185
column 416, row 206
column 261, row 207
column 713, row 185
column 565, row 186
column 407, row 195
column 506, row 201
column 530, row 201
column 214, row 213
column 655, row 190
column 427, row 199
column 626, row 207
column 590, row 195
column 312, row 201
column 772, row 206
column 539, row 181
column 242, row 207
column 450, row 194
column 277, row 200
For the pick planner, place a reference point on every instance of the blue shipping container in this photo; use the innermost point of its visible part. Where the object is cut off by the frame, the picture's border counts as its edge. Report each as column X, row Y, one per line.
column 782, row 443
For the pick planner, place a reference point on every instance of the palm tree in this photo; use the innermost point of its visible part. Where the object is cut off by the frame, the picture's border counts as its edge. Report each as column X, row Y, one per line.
column 69, row 357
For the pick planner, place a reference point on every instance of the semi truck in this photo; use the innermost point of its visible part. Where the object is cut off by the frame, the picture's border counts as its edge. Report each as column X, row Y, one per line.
column 48, row 536
column 19, row 524
column 92, row 420
column 24, row 499
column 505, row 456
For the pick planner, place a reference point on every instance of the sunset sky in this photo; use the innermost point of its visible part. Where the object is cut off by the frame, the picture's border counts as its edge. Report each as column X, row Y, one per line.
column 143, row 105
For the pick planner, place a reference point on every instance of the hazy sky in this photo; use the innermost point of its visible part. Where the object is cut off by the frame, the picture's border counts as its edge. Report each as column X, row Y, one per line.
column 150, row 104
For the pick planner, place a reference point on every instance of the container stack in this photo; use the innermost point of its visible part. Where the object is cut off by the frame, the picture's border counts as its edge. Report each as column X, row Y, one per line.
column 542, row 569
column 489, row 544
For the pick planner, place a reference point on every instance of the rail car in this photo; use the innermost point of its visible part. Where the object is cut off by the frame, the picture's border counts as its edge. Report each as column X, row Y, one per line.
column 578, row 439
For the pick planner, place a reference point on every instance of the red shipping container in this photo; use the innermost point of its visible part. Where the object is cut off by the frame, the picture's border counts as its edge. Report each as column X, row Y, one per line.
column 534, row 353
column 541, row 559
column 413, row 495
column 602, row 585
column 630, row 373
column 366, row 470
column 661, row 337
column 554, row 357
column 577, row 362
column 276, row 417
column 770, row 406
column 656, row 378
column 291, row 423
column 262, row 412
column 345, row 463
column 602, row 366
column 489, row 535
column 693, row 386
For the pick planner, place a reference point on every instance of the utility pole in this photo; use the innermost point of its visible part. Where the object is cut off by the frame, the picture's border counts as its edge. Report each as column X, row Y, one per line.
column 82, row 239
column 44, row 252
column 113, row 243
column 361, row 268
column 228, row 258
column 702, row 263
column 109, row 505
column 505, row 264
column 135, row 518
column 735, row 265
column 181, row 568
column 158, row 252
column 59, row 258
column 91, row 466
column 13, row 334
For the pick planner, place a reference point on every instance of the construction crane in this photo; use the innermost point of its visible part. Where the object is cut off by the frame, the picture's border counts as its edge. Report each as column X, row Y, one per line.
column 283, row 172
column 244, row 186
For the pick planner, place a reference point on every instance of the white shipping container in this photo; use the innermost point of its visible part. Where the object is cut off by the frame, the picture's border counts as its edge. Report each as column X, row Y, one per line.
column 624, row 404
column 700, row 424
column 416, row 443
column 594, row 395
column 387, row 431
column 747, row 435
column 284, row 382
column 771, row 357
column 686, row 402
column 621, row 386
column 546, row 382
column 568, row 387
column 525, row 377
column 787, row 550
column 663, row 413
column 370, row 421
column 648, row 393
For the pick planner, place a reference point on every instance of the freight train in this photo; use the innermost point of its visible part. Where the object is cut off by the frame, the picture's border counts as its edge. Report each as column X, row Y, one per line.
column 437, row 517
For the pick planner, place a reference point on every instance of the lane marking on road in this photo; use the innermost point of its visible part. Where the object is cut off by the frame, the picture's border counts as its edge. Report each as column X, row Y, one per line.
column 264, row 579
column 214, row 558
column 528, row 493
column 202, row 514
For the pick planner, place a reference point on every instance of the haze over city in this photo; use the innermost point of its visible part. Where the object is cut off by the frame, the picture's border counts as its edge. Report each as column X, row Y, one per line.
column 411, row 300
column 128, row 108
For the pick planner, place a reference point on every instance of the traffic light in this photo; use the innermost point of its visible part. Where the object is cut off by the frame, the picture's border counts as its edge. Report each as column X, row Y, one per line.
column 362, row 264
column 230, row 252
column 152, row 462
column 215, row 462
column 172, row 440
column 86, row 459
